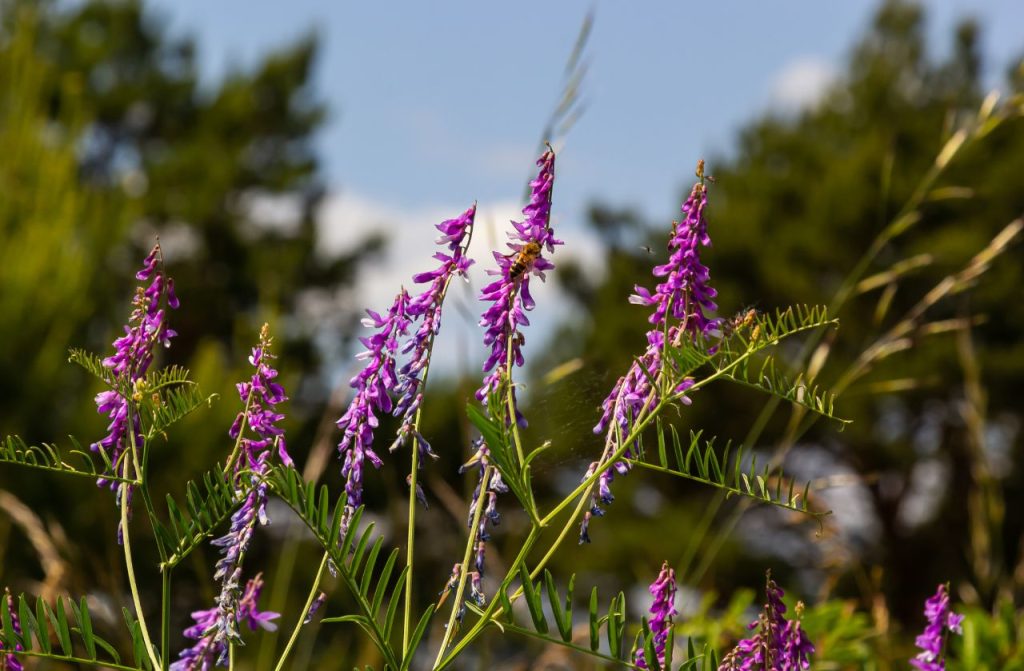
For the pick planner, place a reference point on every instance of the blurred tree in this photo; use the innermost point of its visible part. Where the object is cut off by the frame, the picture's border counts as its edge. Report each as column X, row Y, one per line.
column 792, row 211
column 224, row 172
column 109, row 137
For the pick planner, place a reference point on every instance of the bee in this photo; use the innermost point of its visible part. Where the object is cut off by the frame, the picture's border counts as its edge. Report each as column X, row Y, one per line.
column 700, row 173
column 741, row 322
column 524, row 259
column 747, row 319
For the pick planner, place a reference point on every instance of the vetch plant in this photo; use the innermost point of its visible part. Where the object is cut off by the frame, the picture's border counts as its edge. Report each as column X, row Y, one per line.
column 687, row 349
column 942, row 622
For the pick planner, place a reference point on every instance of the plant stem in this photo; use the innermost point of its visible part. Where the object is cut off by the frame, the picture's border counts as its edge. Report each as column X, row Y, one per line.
column 415, row 465
column 583, row 492
column 305, row 610
column 492, row 608
column 464, row 573
column 411, row 538
column 238, row 440
column 126, row 543
column 165, row 617
column 510, row 398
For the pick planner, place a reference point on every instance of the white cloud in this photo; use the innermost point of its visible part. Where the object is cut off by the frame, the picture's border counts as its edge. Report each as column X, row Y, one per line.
column 802, row 83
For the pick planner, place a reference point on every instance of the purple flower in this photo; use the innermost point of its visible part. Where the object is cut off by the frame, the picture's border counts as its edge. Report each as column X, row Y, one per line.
column 679, row 303
column 318, row 603
column 260, row 395
column 211, row 648
column 685, row 292
column 374, row 386
column 133, row 354
column 662, row 610
column 509, row 295
column 778, row 645
column 251, row 464
column 489, row 499
column 941, row 620
column 455, row 234
column 11, row 661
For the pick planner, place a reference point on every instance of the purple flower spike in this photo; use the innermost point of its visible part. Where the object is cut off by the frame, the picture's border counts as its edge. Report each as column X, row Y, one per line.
column 779, row 644
column 211, row 648
column 685, row 290
column 374, row 386
column 217, row 627
column 10, row 661
column 455, row 234
column 509, row 295
column 680, row 303
column 260, row 395
column 489, row 499
column 662, row 611
column 941, row 620
column 133, row 354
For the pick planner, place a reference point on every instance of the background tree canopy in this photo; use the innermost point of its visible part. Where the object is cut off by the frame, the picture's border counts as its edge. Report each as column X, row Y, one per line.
column 107, row 138
column 793, row 209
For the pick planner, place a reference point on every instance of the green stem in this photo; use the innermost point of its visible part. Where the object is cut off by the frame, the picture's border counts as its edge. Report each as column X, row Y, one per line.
column 305, row 610
column 493, row 609
column 464, row 573
column 411, row 538
column 126, row 543
column 584, row 486
column 238, row 440
column 510, row 398
column 126, row 540
column 583, row 492
column 165, row 617
column 414, row 470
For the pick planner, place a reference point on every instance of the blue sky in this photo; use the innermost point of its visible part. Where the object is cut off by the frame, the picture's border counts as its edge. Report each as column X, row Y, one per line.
column 435, row 104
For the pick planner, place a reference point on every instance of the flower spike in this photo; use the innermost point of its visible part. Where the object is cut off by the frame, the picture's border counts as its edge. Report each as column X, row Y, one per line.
column 509, row 295
column 941, row 620
column 132, row 357
column 681, row 302
column 778, row 644
column 427, row 305
column 662, row 611
column 216, row 628
column 374, row 386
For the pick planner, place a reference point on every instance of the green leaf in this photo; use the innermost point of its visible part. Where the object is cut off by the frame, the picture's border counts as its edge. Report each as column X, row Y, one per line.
column 382, row 581
column 699, row 463
column 417, row 634
column 533, row 602
column 59, row 619
column 616, row 624
column 650, row 656
column 48, row 457
column 162, row 409
column 29, row 626
column 207, row 509
column 595, row 627
column 506, row 606
column 42, row 616
column 501, row 452
column 93, row 364
column 85, row 624
column 389, row 618
column 562, row 614
column 287, row 483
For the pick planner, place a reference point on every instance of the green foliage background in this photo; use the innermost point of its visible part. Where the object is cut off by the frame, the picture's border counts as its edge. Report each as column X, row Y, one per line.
column 106, row 139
